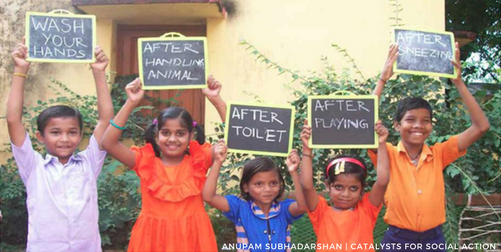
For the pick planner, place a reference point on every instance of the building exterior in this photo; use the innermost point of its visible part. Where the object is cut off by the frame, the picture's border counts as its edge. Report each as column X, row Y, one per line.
column 294, row 33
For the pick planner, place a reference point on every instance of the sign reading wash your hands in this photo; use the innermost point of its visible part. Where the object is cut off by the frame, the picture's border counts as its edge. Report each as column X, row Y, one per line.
column 52, row 37
column 173, row 62
column 259, row 129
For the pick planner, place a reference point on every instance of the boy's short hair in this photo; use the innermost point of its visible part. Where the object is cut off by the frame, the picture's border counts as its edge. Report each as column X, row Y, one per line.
column 411, row 103
column 58, row 111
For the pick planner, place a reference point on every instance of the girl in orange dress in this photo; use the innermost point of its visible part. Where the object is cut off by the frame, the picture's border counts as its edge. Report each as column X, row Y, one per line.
column 172, row 170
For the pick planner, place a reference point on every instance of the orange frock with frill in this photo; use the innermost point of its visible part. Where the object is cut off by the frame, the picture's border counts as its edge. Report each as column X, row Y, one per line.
column 173, row 216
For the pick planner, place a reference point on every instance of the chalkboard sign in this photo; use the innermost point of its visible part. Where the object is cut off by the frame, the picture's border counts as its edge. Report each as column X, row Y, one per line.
column 424, row 52
column 259, row 129
column 52, row 37
column 173, row 62
column 343, row 121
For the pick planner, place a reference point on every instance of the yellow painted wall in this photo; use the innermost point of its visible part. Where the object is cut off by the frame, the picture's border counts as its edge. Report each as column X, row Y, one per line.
column 293, row 33
column 297, row 33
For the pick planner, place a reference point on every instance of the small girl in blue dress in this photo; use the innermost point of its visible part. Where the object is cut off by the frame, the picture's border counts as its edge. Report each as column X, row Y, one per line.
column 262, row 221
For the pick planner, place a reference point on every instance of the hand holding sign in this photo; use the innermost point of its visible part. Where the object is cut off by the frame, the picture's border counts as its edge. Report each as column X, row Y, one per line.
column 382, row 132
column 457, row 65
column 134, row 91
column 220, row 151
column 19, row 56
column 293, row 161
column 387, row 72
column 213, row 87
column 101, row 60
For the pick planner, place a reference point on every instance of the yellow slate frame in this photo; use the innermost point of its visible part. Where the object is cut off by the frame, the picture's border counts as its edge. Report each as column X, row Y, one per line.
column 396, row 70
column 266, row 153
column 54, row 14
column 170, row 37
column 349, row 96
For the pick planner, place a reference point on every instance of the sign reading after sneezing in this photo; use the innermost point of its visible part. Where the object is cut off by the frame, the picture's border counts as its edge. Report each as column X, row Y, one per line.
column 259, row 129
column 173, row 62
column 424, row 52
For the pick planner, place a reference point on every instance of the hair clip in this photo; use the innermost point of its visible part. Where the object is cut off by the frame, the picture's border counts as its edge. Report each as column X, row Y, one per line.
column 155, row 122
column 339, row 168
column 194, row 123
column 340, row 165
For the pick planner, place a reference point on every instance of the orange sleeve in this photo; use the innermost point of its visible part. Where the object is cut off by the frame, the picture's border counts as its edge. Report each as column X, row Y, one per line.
column 202, row 156
column 317, row 215
column 372, row 211
column 449, row 150
column 145, row 156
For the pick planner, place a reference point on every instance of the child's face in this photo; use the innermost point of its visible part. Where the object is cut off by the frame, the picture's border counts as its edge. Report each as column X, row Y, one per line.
column 346, row 191
column 263, row 187
column 415, row 126
column 61, row 137
column 173, row 138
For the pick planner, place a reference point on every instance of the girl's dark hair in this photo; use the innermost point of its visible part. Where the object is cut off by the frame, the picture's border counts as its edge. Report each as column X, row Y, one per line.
column 261, row 164
column 349, row 168
column 411, row 103
column 59, row 111
column 172, row 113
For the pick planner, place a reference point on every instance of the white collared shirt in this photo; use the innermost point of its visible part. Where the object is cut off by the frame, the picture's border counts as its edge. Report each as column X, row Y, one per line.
column 61, row 199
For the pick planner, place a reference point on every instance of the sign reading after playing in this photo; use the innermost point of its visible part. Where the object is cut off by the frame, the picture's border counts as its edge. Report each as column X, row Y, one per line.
column 54, row 37
column 173, row 62
column 259, row 129
column 424, row 52
column 343, row 121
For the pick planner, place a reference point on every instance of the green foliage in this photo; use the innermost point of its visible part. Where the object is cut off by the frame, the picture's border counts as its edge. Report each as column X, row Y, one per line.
column 482, row 18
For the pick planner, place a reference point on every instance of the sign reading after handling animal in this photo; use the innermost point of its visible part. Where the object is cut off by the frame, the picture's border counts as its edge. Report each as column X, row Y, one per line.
column 259, row 129
column 169, row 62
column 52, row 37
column 343, row 121
column 424, row 52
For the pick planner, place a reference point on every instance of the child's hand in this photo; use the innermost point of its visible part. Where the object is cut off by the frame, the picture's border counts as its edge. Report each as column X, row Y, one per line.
column 382, row 132
column 135, row 91
column 220, row 151
column 292, row 161
column 19, row 56
column 305, row 135
column 388, row 65
column 457, row 65
column 101, row 60
column 214, row 87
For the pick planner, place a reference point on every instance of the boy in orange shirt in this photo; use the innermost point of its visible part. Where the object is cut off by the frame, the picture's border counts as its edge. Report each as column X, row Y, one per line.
column 415, row 198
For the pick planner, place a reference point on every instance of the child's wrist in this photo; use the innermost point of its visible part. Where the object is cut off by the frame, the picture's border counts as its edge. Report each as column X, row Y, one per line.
column 131, row 103
column 23, row 70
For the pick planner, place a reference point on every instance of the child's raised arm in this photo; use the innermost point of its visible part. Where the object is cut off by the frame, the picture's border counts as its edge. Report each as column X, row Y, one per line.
column 110, row 141
column 376, row 196
column 17, row 132
column 104, row 104
column 209, row 192
column 212, row 93
column 387, row 70
column 299, row 207
column 479, row 123
column 306, row 176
